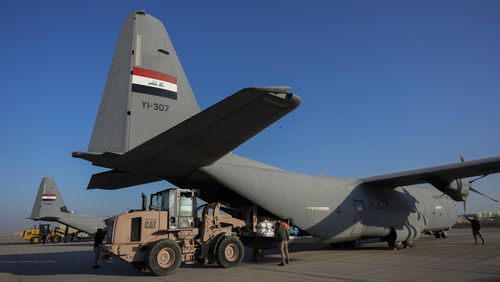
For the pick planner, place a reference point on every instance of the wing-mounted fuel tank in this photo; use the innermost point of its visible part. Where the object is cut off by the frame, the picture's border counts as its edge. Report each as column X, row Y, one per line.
column 458, row 189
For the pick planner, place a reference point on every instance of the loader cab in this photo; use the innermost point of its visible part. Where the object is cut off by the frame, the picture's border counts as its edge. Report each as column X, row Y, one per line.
column 180, row 204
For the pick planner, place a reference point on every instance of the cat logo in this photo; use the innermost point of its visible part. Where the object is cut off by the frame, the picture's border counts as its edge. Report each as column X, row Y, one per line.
column 150, row 224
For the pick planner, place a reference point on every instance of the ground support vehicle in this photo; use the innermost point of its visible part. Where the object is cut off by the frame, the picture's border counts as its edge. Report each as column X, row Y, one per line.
column 43, row 232
column 171, row 232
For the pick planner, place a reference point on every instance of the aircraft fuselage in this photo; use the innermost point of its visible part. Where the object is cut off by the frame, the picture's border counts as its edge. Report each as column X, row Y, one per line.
column 334, row 209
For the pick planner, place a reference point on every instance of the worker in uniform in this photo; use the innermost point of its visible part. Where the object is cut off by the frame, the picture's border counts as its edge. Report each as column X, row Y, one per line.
column 476, row 226
column 282, row 236
column 44, row 231
column 98, row 238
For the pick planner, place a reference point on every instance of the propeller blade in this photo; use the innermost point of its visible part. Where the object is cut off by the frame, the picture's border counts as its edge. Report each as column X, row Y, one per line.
column 474, row 190
column 470, row 182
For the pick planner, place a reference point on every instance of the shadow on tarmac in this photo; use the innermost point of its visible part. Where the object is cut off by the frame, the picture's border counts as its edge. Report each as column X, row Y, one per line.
column 80, row 262
column 61, row 263
column 15, row 243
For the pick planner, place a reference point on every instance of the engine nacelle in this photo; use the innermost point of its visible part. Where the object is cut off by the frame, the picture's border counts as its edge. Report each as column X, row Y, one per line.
column 458, row 189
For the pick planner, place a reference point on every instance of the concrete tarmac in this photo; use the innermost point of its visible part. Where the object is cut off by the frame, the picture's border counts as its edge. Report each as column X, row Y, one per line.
column 451, row 259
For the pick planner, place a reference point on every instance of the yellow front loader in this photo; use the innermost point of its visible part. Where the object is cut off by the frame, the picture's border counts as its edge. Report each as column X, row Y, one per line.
column 42, row 233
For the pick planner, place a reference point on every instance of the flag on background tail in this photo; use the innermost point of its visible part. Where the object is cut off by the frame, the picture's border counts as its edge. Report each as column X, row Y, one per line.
column 48, row 197
column 154, row 83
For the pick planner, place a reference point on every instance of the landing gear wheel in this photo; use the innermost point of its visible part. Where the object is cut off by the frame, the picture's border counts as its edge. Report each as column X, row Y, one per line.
column 164, row 257
column 408, row 244
column 444, row 234
column 230, row 252
column 398, row 245
column 35, row 240
column 139, row 265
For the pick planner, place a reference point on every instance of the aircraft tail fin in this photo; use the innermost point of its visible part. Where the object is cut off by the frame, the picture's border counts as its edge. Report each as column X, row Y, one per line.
column 49, row 204
column 146, row 92
column 196, row 142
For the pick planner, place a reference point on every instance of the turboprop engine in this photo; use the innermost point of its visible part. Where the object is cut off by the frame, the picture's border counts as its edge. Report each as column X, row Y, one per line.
column 458, row 189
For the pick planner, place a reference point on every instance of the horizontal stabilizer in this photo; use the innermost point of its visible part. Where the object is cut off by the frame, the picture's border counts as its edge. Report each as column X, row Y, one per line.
column 205, row 137
column 115, row 179
column 86, row 223
column 438, row 176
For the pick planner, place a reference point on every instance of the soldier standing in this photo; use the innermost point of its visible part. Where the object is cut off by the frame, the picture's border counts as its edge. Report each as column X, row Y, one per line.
column 98, row 238
column 282, row 235
column 476, row 226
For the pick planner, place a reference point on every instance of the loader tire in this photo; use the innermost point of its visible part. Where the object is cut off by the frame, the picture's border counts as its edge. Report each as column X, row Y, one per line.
column 230, row 252
column 35, row 240
column 164, row 257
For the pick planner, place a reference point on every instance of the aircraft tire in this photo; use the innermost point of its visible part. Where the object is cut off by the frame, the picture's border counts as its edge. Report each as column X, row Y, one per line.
column 391, row 239
column 164, row 257
column 230, row 252
column 35, row 240
column 444, row 234
column 409, row 244
column 438, row 235
column 398, row 245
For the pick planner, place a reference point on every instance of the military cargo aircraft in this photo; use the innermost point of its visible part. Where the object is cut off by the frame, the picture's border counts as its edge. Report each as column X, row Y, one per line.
column 149, row 127
column 49, row 206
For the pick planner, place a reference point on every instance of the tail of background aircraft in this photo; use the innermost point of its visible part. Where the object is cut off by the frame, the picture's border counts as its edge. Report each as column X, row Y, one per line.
column 49, row 204
column 146, row 92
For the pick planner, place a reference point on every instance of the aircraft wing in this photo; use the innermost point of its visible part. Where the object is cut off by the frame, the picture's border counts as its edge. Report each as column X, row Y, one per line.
column 115, row 179
column 198, row 141
column 438, row 176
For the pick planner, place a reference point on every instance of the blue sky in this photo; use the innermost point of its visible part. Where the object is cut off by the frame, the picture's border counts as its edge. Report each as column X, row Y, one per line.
column 386, row 86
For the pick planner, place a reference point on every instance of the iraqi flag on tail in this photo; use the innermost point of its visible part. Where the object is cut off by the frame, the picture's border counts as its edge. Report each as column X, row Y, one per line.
column 48, row 197
column 154, row 83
